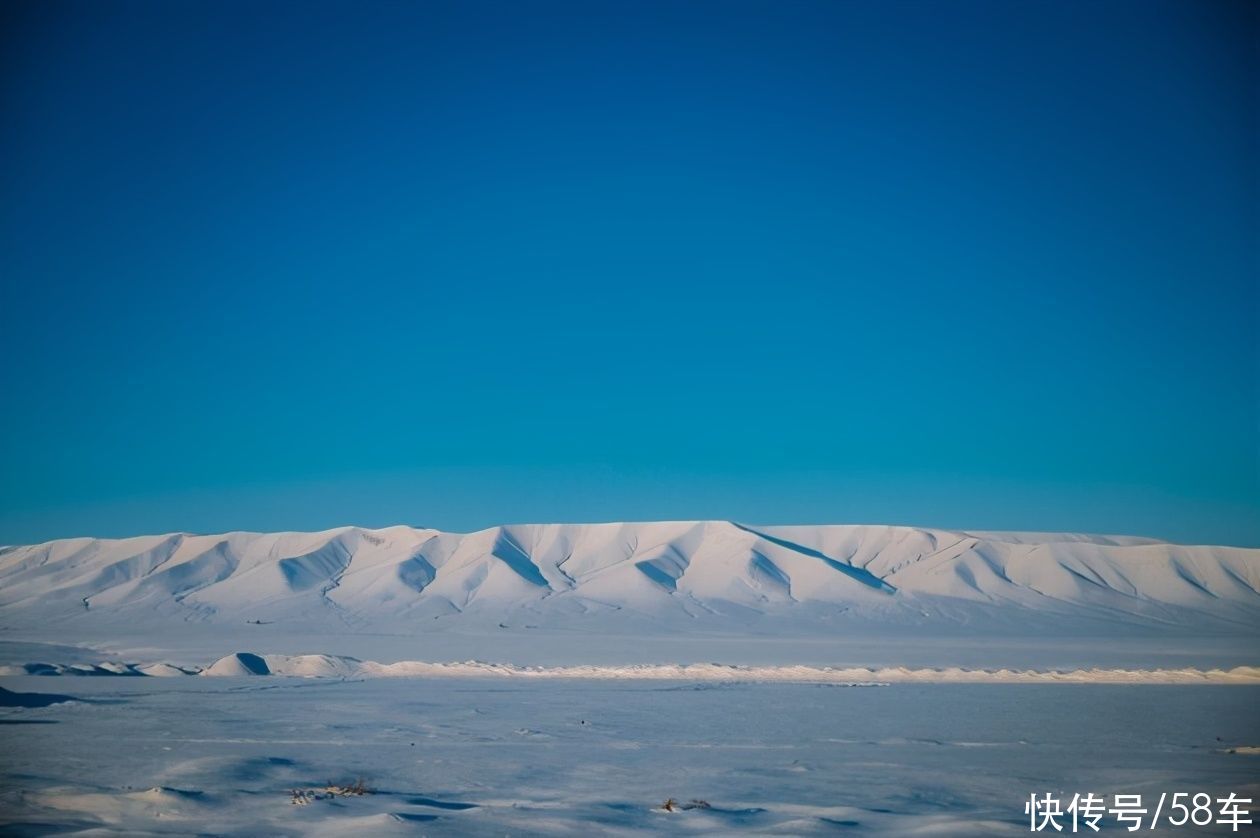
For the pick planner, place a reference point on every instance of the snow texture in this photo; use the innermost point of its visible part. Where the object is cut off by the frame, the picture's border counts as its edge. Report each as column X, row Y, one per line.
column 630, row 577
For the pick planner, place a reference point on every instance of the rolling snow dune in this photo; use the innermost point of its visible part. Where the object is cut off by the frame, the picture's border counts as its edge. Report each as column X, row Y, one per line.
column 669, row 574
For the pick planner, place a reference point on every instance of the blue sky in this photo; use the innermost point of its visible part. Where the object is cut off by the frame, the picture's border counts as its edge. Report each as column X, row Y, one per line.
column 282, row 266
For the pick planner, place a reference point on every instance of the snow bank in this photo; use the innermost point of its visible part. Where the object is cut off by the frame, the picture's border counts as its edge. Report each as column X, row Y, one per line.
column 248, row 664
column 820, row 675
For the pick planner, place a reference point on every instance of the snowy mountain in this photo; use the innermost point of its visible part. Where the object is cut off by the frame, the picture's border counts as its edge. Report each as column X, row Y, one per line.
column 673, row 575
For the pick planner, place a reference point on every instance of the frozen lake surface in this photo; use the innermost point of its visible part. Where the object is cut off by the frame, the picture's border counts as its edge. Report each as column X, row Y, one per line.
column 484, row 756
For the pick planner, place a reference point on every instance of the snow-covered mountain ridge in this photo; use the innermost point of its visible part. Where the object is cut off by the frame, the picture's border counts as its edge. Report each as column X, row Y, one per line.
column 670, row 573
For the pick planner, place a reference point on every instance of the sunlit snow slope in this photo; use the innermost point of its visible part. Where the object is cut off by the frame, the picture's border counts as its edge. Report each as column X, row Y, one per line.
column 671, row 575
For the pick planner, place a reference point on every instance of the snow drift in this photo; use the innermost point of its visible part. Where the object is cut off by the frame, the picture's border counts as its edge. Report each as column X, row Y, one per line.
column 249, row 664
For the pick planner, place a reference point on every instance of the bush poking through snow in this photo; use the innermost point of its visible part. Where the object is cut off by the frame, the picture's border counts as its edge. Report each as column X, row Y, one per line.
column 301, row 797
column 673, row 805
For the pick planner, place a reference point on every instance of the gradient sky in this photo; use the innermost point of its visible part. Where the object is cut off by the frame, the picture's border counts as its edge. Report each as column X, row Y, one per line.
column 290, row 266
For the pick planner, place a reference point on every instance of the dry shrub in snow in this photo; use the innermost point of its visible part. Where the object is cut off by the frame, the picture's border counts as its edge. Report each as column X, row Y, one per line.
column 300, row 797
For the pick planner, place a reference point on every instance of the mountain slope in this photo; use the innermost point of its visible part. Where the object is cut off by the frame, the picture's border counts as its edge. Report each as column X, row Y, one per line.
column 665, row 574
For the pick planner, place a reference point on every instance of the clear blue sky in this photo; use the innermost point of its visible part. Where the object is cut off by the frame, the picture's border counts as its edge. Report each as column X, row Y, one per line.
column 289, row 266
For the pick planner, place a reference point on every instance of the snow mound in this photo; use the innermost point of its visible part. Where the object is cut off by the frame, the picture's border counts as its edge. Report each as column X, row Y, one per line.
column 240, row 663
column 303, row 666
column 313, row 666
